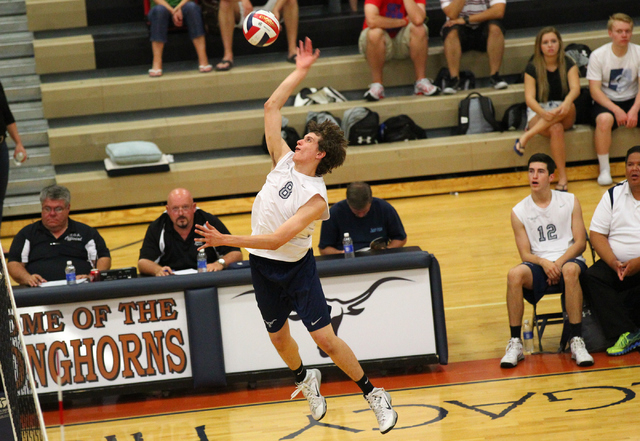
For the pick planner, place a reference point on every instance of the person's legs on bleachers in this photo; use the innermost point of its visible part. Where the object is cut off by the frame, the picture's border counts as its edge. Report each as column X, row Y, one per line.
column 452, row 53
column 228, row 16
column 602, row 140
column 418, row 52
column 192, row 18
column 159, row 19
column 290, row 15
column 374, row 44
column 495, row 52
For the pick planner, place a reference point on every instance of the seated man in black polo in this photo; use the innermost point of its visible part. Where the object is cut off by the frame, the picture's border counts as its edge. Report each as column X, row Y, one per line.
column 40, row 251
column 170, row 245
column 365, row 218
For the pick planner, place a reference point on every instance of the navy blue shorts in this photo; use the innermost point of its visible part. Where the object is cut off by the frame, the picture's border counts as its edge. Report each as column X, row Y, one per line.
column 540, row 285
column 597, row 109
column 282, row 287
column 473, row 39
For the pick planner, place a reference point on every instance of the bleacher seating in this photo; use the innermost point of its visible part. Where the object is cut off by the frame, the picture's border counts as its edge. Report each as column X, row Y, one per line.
column 212, row 122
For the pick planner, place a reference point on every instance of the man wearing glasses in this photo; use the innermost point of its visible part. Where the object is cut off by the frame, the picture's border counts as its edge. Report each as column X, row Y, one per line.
column 170, row 245
column 40, row 251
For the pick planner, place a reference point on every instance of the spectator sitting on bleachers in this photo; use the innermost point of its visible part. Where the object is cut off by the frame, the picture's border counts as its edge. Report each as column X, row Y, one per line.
column 7, row 124
column 232, row 13
column 550, row 236
column 178, row 12
column 40, row 251
column 613, row 82
column 395, row 29
column 365, row 218
column 170, row 242
column 473, row 25
column 551, row 85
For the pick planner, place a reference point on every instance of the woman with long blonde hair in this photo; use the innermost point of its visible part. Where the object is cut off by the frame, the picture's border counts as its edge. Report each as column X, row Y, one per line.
column 551, row 85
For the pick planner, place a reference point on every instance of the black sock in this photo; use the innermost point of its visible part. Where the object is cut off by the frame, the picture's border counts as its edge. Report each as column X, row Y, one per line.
column 365, row 385
column 300, row 373
column 515, row 331
column 576, row 329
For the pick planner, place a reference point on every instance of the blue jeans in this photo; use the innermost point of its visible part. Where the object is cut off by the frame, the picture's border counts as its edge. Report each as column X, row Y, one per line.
column 4, row 174
column 160, row 19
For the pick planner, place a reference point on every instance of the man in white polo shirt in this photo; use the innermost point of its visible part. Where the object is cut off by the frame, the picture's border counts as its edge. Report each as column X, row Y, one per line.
column 614, row 280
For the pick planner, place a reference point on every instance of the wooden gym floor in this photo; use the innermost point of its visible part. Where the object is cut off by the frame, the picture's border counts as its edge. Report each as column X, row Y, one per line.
column 546, row 397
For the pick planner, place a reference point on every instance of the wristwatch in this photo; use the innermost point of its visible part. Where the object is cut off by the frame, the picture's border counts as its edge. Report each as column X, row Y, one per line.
column 466, row 20
column 222, row 262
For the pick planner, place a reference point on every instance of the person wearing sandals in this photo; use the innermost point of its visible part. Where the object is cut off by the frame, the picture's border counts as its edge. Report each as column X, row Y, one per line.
column 232, row 13
column 163, row 13
column 551, row 85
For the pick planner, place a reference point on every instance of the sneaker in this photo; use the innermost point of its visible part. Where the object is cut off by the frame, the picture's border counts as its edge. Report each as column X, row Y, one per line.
column 498, row 82
column 579, row 352
column 626, row 343
column 380, row 402
column 375, row 92
column 513, row 354
column 424, row 87
column 604, row 178
column 451, row 86
column 310, row 388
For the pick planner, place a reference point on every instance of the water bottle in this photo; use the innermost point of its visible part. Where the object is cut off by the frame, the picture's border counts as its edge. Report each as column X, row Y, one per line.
column 19, row 158
column 347, row 246
column 202, row 261
column 527, row 334
column 70, row 272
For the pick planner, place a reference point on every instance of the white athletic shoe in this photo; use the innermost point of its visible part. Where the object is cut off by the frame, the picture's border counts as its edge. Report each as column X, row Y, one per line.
column 605, row 178
column 310, row 388
column 424, row 87
column 375, row 92
column 579, row 352
column 513, row 354
column 380, row 402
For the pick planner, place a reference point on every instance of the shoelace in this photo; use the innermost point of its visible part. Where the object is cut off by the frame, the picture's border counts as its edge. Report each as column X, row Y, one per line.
column 375, row 405
column 308, row 393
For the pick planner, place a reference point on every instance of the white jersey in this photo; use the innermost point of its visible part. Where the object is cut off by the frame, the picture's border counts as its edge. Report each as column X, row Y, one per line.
column 285, row 191
column 619, row 75
column 548, row 229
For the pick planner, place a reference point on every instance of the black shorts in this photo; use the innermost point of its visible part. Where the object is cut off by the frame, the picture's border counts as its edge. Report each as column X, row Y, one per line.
column 282, row 287
column 473, row 39
column 540, row 285
column 597, row 109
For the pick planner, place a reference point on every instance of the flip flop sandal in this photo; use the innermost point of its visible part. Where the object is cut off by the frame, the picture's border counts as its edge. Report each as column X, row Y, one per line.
column 205, row 68
column 518, row 148
column 155, row 72
column 224, row 65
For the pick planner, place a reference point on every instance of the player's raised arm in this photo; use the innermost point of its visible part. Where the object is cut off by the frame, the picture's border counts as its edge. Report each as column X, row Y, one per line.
column 306, row 56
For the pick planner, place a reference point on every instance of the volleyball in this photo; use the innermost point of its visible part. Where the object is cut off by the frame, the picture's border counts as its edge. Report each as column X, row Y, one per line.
column 261, row 28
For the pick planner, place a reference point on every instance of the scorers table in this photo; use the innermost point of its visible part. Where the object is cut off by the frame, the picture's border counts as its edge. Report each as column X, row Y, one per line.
column 199, row 330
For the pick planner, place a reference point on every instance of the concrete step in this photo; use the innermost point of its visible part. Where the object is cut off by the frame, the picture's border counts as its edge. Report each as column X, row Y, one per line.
column 12, row 7
column 22, row 88
column 36, row 156
column 28, row 180
column 16, row 44
column 27, row 111
column 21, row 205
column 32, row 133
column 14, row 23
column 14, row 67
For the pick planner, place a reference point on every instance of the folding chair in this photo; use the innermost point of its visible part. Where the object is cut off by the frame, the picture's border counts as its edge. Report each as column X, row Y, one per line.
column 541, row 321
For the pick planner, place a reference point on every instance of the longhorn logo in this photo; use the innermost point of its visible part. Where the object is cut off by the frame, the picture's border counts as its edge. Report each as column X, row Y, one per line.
column 341, row 308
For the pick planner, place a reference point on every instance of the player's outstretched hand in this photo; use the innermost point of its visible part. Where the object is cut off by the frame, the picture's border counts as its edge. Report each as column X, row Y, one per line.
column 306, row 56
column 211, row 236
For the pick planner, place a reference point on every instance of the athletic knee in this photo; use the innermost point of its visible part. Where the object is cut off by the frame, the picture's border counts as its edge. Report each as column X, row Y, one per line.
column 604, row 122
column 570, row 271
column 515, row 277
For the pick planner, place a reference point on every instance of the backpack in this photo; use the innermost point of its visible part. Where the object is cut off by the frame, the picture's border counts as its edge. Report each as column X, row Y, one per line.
column 515, row 117
column 360, row 126
column 476, row 114
column 579, row 53
column 467, row 79
column 289, row 134
column 400, row 128
column 210, row 15
column 320, row 117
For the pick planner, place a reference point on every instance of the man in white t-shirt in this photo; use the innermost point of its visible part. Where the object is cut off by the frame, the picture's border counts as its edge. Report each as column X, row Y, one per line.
column 614, row 280
column 613, row 82
column 283, row 269
column 473, row 25
column 551, row 238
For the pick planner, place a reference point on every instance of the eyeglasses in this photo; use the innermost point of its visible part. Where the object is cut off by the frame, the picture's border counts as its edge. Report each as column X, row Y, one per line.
column 57, row 210
column 184, row 208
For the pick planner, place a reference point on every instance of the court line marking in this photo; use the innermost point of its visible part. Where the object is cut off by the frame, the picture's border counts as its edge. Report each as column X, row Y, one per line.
column 558, row 374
